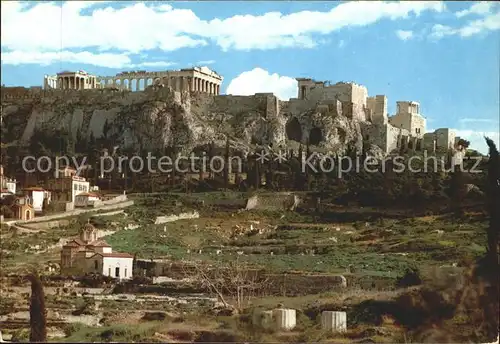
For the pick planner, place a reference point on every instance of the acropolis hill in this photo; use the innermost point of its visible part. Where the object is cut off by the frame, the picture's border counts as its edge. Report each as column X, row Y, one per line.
column 184, row 108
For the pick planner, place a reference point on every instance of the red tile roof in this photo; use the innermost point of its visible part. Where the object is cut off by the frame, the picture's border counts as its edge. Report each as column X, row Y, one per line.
column 75, row 243
column 90, row 194
column 99, row 243
column 34, row 188
column 115, row 255
column 71, row 244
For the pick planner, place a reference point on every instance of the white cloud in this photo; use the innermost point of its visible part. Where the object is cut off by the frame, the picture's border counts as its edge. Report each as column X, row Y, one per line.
column 205, row 62
column 259, row 80
column 490, row 22
column 109, row 60
column 50, row 27
column 480, row 7
column 45, row 58
column 477, row 120
column 476, row 139
column 404, row 34
column 439, row 31
column 153, row 64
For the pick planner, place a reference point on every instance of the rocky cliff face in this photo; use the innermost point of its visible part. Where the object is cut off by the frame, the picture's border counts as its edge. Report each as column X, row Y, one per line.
column 159, row 118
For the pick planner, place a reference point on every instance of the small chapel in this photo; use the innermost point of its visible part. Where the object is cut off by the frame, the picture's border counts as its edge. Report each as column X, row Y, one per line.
column 89, row 254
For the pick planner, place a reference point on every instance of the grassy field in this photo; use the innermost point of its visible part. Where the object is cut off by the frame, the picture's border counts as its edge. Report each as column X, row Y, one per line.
column 290, row 241
column 277, row 241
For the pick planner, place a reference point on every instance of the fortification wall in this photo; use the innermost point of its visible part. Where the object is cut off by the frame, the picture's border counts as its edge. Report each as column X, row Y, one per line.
column 418, row 124
column 236, row 104
column 378, row 107
column 445, row 139
column 375, row 134
column 345, row 92
column 401, row 121
column 24, row 93
column 395, row 136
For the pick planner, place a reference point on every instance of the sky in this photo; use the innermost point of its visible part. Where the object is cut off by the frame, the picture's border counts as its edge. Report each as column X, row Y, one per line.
column 444, row 55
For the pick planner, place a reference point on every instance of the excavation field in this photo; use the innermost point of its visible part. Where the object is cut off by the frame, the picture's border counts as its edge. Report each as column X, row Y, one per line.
column 298, row 257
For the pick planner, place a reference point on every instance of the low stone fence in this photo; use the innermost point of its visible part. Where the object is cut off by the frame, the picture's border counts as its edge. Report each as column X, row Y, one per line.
column 272, row 284
column 172, row 218
column 273, row 201
column 77, row 212
column 115, row 199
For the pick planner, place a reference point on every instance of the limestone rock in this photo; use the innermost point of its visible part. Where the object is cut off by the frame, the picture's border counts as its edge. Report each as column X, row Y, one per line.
column 159, row 118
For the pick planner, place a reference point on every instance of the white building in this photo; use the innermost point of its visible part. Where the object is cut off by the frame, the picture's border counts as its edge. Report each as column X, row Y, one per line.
column 113, row 264
column 7, row 185
column 67, row 185
column 38, row 196
column 4, row 193
column 86, row 199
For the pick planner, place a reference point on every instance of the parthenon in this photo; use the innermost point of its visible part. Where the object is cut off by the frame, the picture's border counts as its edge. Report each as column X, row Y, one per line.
column 197, row 79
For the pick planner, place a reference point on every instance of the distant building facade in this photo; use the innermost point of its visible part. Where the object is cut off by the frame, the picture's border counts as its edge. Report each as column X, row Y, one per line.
column 196, row 79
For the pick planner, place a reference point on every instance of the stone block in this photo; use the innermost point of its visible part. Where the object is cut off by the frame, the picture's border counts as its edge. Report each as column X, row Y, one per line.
column 334, row 321
column 285, row 319
column 263, row 319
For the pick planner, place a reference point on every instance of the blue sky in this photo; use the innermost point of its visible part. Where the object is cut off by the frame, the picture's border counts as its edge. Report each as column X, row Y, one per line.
column 443, row 55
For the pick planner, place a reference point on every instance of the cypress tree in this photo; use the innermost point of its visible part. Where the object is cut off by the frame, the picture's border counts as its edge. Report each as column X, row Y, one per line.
column 38, row 313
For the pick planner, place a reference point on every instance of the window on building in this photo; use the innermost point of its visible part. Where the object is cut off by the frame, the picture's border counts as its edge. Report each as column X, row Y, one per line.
column 75, row 187
column 109, row 271
column 117, row 272
column 125, row 273
column 96, row 264
column 417, row 130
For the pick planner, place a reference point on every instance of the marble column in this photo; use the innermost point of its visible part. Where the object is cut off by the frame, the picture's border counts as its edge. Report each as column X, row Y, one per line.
column 181, row 84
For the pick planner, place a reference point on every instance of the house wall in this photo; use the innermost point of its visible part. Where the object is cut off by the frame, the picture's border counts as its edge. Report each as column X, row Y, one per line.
column 69, row 186
column 85, row 201
column 22, row 212
column 79, row 187
column 109, row 264
column 37, row 198
column 11, row 186
column 81, row 201
column 102, row 249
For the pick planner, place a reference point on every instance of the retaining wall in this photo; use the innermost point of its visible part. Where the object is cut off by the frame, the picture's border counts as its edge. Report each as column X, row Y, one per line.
column 76, row 212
